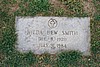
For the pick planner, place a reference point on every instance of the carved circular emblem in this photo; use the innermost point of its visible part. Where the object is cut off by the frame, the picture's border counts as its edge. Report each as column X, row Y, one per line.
column 52, row 23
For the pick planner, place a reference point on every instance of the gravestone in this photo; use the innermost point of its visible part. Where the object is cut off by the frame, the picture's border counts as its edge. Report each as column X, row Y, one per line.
column 53, row 34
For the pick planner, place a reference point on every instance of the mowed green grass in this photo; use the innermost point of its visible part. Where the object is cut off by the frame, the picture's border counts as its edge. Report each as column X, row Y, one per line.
column 10, row 57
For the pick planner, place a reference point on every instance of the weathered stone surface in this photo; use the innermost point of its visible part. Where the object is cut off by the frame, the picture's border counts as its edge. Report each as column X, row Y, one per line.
column 53, row 34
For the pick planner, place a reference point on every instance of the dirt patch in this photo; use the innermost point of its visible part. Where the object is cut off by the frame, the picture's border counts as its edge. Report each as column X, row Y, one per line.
column 2, row 57
column 57, row 4
column 89, row 7
column 14, row 8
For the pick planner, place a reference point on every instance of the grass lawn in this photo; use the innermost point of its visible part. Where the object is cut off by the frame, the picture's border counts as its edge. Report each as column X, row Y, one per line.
column 9, row 9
